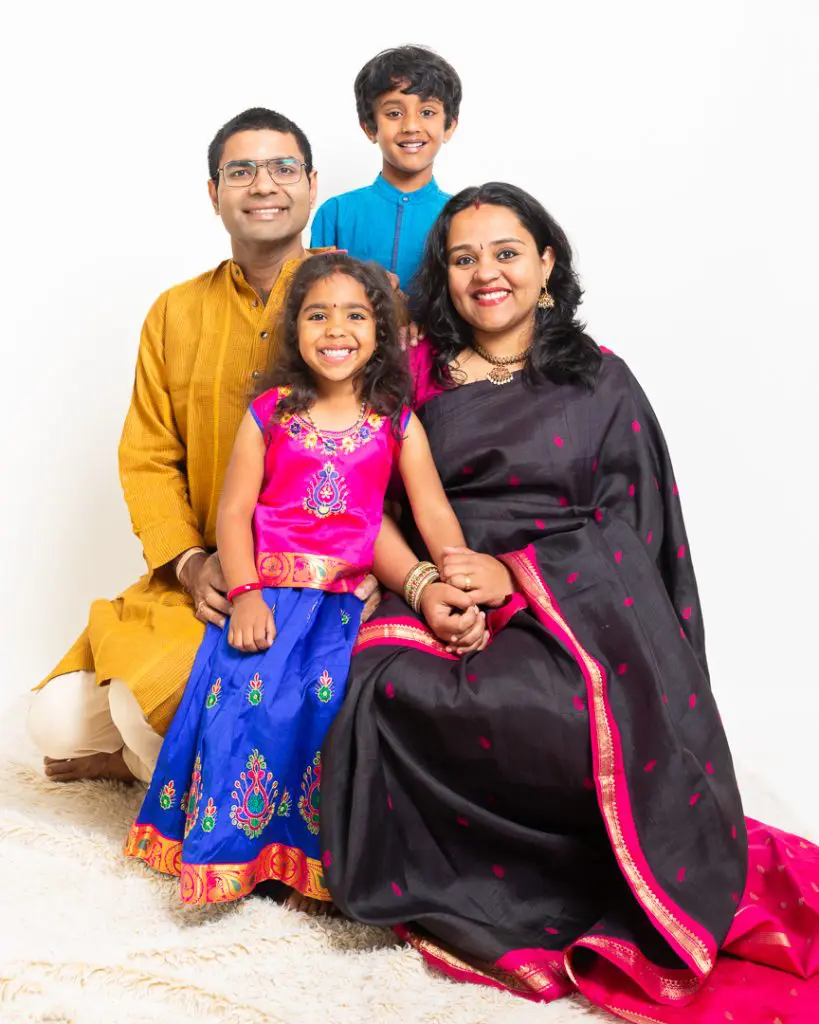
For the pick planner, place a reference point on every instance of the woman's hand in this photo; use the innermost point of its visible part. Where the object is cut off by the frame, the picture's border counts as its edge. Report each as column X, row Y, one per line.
column 454, row 619
column 486, row 580
column 251, row 624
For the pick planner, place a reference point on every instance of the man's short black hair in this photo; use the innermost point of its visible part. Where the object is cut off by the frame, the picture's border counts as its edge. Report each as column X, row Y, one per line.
column 416, row 70
column 256, row 119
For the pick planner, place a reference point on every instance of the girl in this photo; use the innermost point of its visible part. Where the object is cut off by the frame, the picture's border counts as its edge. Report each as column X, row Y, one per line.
column 235, row 797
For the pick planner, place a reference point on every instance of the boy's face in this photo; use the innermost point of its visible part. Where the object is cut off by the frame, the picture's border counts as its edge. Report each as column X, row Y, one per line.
column 409, row 130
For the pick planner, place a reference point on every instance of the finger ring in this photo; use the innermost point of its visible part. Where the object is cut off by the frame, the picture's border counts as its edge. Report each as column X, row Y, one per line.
column 467, row 583
column 199, row 607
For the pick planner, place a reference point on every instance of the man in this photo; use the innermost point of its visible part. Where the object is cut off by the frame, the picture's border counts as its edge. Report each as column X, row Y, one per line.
column 204, row 346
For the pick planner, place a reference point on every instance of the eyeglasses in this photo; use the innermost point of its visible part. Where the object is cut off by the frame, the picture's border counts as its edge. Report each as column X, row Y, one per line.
column 284, row 170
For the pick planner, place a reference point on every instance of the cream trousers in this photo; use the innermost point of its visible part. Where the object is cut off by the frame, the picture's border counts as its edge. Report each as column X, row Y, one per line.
column 73, row 717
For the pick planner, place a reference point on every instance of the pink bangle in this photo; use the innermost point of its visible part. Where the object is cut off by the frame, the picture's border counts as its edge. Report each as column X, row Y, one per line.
column 244, row 589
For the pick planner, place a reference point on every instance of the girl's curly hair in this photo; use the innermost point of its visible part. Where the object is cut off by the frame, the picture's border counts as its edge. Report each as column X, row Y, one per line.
column 384, row 381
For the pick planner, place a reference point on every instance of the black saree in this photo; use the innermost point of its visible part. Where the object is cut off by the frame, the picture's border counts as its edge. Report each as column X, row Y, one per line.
column 559, row 810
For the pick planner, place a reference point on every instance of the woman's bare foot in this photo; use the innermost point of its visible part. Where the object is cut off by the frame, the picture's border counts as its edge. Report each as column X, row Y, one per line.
column 94, row 766
column 307, row 905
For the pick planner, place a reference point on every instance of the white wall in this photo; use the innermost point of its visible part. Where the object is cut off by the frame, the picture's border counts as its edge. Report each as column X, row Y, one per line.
column 676, row 144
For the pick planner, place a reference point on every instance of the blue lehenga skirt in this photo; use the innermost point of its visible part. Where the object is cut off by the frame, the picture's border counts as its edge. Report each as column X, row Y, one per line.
column 235, row 798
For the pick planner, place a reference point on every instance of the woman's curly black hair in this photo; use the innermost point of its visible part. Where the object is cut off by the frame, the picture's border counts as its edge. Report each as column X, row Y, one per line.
column 384, row 382
column 561, row 350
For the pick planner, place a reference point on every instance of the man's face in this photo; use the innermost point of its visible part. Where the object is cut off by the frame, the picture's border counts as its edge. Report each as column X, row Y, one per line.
column 265, row 211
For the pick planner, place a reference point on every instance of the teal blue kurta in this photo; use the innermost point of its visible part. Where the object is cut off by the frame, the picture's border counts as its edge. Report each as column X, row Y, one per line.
column 381, row 223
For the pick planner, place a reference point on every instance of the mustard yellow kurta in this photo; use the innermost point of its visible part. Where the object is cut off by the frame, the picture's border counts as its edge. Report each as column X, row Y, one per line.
column 204, row 346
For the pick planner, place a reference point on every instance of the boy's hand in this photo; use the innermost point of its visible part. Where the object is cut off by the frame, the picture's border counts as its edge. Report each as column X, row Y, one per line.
column 408, row 335
column 251, row 624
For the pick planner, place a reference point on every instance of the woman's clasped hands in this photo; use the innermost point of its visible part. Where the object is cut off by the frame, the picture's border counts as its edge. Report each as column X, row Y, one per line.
column 451, row 607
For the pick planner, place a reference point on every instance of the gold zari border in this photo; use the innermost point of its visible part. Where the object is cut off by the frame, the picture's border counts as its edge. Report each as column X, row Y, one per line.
column 692, row 944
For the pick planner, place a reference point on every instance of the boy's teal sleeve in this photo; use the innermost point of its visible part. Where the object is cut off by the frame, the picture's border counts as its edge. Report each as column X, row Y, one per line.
column 323, row 232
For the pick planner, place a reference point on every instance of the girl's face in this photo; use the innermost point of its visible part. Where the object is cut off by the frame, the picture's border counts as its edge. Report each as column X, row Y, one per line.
column 336, row 329
column 495, row 271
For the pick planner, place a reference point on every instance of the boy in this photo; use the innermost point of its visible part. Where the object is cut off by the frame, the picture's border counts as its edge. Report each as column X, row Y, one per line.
column 408, row 100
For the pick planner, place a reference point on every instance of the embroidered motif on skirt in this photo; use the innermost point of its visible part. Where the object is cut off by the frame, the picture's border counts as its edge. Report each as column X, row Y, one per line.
column 255, row 791
column 310, row 800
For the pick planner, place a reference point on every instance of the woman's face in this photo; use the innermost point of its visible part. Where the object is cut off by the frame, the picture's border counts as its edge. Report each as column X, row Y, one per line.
column 495, row 271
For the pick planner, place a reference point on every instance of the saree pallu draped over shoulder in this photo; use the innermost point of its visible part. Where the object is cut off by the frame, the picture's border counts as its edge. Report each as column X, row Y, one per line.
column 560, row 811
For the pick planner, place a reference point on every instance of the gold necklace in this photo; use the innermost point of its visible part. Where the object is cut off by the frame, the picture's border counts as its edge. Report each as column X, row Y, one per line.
column 319, row 434
column 500, row 372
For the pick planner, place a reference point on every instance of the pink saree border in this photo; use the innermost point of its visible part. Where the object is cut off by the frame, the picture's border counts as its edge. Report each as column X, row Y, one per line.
column 405, row 632
column 534, row 974
column 693, row 943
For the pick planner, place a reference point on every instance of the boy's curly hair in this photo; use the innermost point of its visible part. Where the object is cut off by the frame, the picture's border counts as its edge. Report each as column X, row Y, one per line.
column 416, row 70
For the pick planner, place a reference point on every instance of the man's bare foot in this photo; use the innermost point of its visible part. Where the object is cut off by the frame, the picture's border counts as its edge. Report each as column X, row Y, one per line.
column 307, row 905
column 94, row 766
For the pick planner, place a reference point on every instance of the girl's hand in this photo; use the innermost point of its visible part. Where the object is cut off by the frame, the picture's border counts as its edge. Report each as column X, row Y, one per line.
column 251, row 624
column 454, row 619
column 486, row 580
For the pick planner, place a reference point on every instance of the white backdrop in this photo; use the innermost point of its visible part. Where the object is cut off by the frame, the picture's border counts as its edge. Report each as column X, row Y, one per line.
column 677, row 144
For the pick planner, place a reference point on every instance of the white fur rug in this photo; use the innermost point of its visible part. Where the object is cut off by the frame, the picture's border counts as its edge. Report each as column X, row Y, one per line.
column 89, row 937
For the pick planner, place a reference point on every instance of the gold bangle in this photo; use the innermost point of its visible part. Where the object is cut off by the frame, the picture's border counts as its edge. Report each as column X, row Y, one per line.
column 433, row 577
column 417, row 580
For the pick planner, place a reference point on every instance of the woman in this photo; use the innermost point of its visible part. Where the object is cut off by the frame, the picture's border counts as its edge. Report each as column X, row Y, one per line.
column 558, row 810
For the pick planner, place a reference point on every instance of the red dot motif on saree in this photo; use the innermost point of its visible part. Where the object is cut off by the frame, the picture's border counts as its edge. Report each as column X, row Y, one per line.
column 632, row 490
column 681, row 875
column 650, row 766
column 635, row 426
column 498, row 870
column 462, row 821
column 692, row 701
column 622, row 668
column 389, row 689
column 485, row 743
column 558, row 441
column 572, row 577
column 709, row 767
column 694, row 799
column 579, row 703
column 618, row 557
column 540, row 524
column 396, row 888
column 629, row 601
column 686, row 613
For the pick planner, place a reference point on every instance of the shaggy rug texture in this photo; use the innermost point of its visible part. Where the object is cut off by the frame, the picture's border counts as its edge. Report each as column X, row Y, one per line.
column 89, row 937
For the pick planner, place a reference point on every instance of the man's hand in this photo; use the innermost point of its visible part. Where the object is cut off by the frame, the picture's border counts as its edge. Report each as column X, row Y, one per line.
column 369, row 592
column 202, row 577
